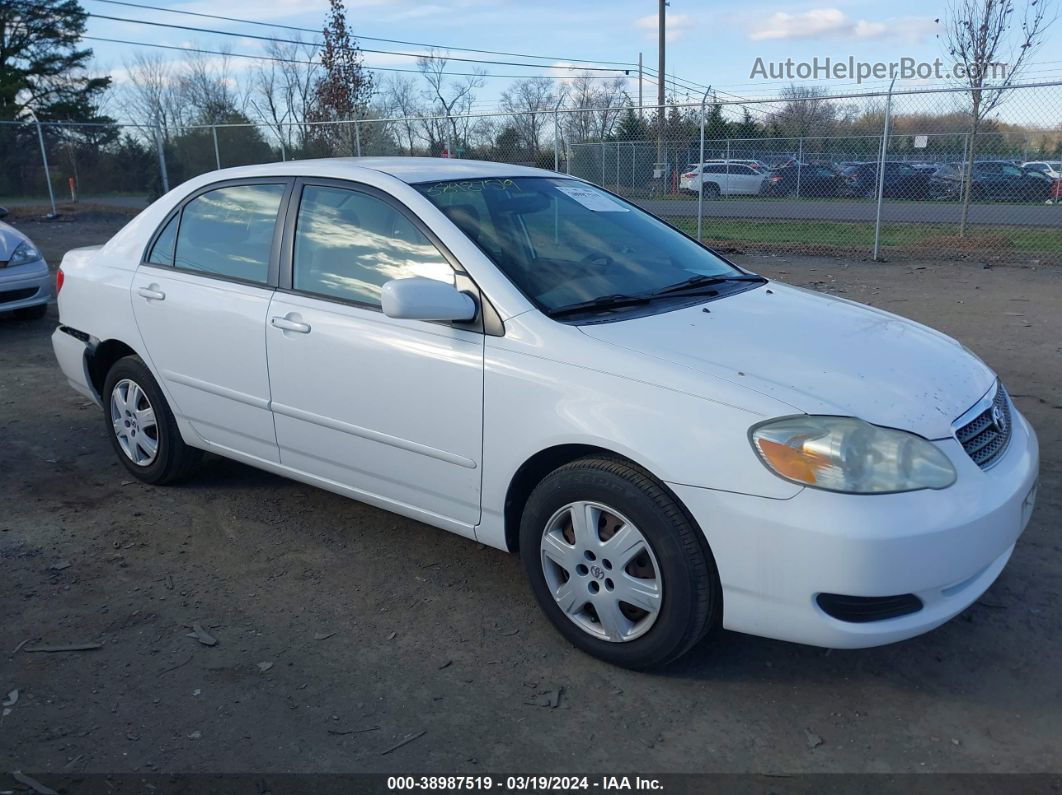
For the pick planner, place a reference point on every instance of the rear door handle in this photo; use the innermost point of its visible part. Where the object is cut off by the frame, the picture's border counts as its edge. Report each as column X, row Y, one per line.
column 285, row 324
column 151, row 294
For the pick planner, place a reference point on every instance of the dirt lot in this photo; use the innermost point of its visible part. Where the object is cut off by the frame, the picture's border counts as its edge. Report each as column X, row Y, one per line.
column 342, row 630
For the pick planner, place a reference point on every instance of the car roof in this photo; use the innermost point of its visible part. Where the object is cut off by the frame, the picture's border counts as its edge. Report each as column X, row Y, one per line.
column 407, row 169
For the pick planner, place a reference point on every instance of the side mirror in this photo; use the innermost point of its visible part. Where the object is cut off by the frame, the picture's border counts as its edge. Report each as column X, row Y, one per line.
column 418, row 298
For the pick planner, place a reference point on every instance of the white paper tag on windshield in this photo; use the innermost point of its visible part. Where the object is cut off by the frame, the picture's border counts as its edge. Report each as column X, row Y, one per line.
column 593, row 200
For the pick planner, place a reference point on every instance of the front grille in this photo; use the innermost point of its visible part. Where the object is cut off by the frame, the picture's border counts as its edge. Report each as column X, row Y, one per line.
column 864, row 609
column 985, row 437
column 17, row 295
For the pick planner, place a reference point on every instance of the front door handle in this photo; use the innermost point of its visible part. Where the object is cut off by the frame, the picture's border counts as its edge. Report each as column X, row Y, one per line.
column 152, row 293
column 286, row 324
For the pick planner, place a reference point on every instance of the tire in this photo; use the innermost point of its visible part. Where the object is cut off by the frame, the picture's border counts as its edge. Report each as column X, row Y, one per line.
column 32, row 312
column 129, row 391
column 688, row 596
column 710, row 190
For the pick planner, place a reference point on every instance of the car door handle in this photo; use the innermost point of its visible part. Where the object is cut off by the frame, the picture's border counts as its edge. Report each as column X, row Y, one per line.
column 286, row 324
column 151, row 294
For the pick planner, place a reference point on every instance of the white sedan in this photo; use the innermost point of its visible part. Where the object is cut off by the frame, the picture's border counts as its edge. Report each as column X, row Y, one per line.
column 671, row 443
column 25, row 282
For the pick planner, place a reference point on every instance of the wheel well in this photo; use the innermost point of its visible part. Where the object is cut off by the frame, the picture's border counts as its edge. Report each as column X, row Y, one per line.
column 530, row 474
column 102, row 359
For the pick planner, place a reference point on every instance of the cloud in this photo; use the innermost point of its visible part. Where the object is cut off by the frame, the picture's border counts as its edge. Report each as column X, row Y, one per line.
column 820, row 23
column 677, row 26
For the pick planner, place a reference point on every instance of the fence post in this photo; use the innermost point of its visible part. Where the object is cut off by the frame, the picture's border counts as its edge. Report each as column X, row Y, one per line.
column 728, row 167
column 568, row 158
column 602, row 162
column 556, row 141
column 162, row 160
column 700, row 170
column 357, row 138
column 217, row 152
column 800, row 162
column 881, row 174
column 44, row 157
column 634, row 171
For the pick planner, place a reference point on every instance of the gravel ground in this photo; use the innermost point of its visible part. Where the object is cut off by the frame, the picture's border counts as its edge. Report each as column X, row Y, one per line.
column 342, row 630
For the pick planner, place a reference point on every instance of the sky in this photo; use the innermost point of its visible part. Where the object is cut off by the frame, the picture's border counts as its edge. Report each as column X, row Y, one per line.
column 714, row 44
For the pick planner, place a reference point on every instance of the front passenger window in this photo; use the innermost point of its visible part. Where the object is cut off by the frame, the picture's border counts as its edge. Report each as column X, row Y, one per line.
column 348, row 244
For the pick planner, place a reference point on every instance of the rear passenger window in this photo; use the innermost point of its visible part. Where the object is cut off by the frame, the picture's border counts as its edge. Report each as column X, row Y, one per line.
column 349, row 244
column 229, row 232
column 162, row 251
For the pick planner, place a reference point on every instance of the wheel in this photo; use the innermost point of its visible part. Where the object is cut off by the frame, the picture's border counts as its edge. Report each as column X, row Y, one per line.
column 141, row 426
column 32, row 312
column 617, row 565
column 710, row 190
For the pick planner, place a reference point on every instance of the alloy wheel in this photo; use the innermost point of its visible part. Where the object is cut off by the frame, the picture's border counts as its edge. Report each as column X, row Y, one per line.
column 601, row 571
column 135, row 426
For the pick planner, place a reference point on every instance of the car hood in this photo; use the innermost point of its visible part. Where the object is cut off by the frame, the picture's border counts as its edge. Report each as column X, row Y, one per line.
column 818, row 354
column 10, row 239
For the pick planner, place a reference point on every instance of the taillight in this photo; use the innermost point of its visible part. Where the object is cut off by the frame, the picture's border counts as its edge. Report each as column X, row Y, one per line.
column 58, row 281
column 690, row 174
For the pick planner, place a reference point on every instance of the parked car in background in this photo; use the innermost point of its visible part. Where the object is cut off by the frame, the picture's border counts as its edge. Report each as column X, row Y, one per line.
column 25, row 281
column 901, row 181
column 1049, row 168
column 722, row 178
column 804, row 181
column 928, row 168
column 992, row 180
column 524, row 359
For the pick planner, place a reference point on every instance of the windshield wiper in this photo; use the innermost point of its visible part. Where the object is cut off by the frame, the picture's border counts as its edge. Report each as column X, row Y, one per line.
column 602, row 302
column 700, row 281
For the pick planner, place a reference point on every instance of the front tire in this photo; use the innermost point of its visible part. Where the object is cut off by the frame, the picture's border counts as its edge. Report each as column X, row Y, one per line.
column 141, row 427
column 617, row 565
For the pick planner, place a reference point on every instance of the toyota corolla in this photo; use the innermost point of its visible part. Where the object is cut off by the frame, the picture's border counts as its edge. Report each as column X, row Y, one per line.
column 672, row 443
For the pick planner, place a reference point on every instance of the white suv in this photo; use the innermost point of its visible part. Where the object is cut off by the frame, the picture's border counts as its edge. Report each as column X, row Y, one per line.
column 723, row 178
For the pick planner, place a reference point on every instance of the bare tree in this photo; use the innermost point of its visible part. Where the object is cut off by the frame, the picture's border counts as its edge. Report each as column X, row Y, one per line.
column 600, row 104
column 449, row 98
column 152, row 97
column 805, row 110
column 982, row 36
column 282, row 93
column 530, row 102
column 208, row 88
column 403, row 101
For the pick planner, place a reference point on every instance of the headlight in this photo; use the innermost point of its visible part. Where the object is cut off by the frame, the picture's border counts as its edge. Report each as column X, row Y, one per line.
column 849, row 455
column 23, row 253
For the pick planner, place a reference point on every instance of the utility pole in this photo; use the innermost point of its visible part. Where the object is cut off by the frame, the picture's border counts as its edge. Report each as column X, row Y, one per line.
column 639, row 86
column 661, row 167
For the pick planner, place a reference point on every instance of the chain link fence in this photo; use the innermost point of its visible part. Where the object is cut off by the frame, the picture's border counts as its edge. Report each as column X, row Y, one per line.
column 876, row 175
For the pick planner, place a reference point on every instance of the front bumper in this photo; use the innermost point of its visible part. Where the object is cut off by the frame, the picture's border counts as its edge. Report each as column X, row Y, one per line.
column 24, row 286
column 946, row 547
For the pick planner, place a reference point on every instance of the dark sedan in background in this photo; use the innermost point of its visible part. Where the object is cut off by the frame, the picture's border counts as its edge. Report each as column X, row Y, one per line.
column 992, row 180
column 803, row 180
column 902, row 181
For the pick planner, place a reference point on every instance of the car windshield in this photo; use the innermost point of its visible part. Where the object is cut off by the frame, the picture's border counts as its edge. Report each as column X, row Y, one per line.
column 564, row 242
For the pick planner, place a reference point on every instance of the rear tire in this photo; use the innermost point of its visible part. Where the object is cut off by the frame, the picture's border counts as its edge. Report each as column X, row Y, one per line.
column 673, row 565
column 141, row 427
column 710, row 190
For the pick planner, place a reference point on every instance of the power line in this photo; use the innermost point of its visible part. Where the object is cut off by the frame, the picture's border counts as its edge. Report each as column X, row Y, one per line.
column 317, row 63
column 213, row 31
column 358, row 36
